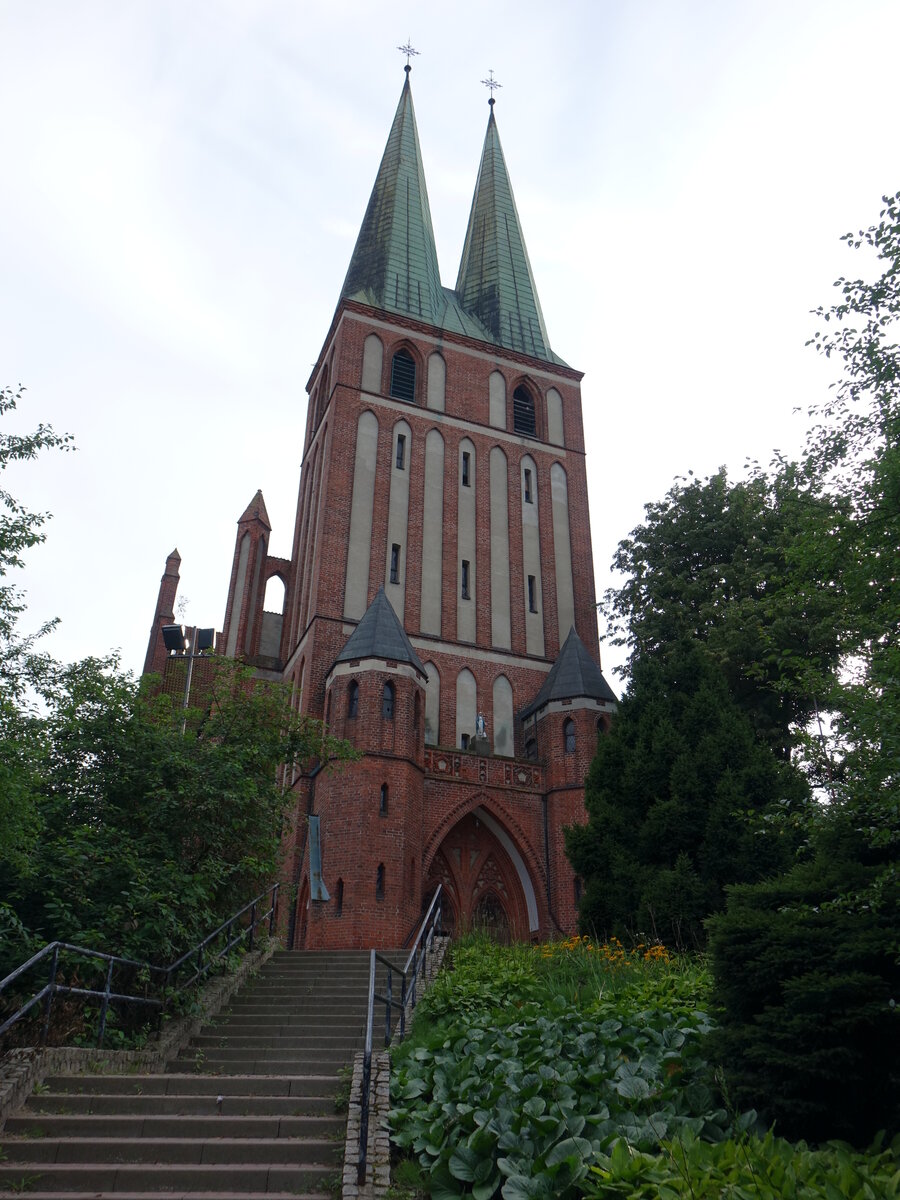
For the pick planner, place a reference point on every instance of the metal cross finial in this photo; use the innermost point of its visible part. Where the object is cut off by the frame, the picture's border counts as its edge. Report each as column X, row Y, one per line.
column 492, row 84
column 409, row 52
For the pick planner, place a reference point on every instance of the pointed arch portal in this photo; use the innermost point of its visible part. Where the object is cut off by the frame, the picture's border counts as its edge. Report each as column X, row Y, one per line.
column 485, row 880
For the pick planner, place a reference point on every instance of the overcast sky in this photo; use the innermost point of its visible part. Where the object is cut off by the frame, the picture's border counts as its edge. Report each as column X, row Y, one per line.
column 182, row 184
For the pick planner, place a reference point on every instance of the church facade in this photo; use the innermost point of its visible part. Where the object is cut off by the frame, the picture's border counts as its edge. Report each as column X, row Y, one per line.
column 439, row 607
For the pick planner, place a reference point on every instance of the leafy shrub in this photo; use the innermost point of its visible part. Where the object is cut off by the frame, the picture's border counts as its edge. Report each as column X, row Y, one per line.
column 767, row 1168
column 522, row 1102
column 485, row 976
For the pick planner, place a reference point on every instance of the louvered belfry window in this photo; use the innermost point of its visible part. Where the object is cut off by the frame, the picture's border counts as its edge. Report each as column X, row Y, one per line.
column 523, row 412
column 403, row 376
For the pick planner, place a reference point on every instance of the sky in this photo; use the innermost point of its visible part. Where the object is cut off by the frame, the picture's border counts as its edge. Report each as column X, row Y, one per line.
column 181, row 185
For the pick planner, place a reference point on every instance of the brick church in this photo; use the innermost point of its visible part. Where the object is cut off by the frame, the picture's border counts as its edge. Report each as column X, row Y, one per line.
column 439, row 607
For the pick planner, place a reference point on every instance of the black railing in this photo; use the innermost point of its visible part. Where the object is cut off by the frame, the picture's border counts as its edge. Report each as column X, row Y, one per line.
column 416, row 965
column 160, row 980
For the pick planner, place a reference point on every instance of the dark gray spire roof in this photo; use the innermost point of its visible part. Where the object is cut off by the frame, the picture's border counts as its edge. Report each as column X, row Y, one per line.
column 574, row 674
column 394, row 264
column 495, row 282
column 379, row 634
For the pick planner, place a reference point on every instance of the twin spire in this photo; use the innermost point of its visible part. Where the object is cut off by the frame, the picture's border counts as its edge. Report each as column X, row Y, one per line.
column 394, row 264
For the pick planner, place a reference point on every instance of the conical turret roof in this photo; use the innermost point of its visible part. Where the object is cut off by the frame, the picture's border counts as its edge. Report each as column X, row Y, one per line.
column 379, row 634
column 495, row 282
column 573, row 675
column 255, row 511
column 394, row 264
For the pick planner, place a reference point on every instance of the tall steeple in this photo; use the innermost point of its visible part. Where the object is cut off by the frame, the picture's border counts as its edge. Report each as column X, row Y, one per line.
column 495, row 282
column 394, row 264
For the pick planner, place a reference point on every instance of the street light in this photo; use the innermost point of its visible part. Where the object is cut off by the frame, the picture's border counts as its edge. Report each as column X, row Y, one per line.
column 179, row 645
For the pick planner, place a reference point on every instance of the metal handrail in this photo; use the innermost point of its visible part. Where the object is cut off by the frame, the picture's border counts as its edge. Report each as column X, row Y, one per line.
column 418, row 958
column 52, row 987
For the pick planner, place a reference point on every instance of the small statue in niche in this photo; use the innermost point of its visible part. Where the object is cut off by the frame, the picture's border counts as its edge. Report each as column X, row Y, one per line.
column 480, row 727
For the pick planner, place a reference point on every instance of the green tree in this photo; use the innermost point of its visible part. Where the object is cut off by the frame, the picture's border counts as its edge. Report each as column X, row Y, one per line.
column 806, row 967
column 117, row 830
column 148, row 838
column 682, row 800
column 712, row 564
column 22, row 666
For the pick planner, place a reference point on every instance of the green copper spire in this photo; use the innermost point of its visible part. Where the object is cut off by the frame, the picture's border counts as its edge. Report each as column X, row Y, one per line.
column 394, row 264
column 495, row 283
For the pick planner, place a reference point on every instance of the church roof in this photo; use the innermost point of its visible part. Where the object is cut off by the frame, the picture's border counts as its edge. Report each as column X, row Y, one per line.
column 495, row 282
column 574, row 674
column 379, row 634
column 394, row 264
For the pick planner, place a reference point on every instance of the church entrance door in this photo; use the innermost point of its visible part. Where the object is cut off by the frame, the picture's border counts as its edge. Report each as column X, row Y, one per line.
column 481, row 887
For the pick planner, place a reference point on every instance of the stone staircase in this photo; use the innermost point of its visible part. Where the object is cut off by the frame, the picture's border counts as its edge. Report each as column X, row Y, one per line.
column 247, row 1109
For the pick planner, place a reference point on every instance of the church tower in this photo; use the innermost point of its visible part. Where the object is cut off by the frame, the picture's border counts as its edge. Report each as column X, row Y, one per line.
column 439, row 603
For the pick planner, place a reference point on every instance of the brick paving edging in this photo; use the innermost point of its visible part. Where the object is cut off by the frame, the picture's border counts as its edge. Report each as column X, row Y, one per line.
column 22, row 1069
column 378, row 1161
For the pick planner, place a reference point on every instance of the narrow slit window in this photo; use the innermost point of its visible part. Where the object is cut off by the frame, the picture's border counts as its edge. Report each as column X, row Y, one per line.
column 383, row 801
column 463, row 741
column 353, row 699
column 395, row 563
column 403, row 376
column 529, row 494
column 400, row 460
column 339, row 898
column 387, row 702
column 379, row 882
column 532, row 594
column 569, row 736
column 465, row 469
column 464, row 579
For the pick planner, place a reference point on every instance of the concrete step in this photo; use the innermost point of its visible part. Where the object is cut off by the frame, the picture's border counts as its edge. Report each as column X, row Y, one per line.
column 222, row 1067
column 244, row 1029
column 176, row 1195
column 56, row 1125
column 164, row 1177
column 192, row 1084
column 292, row 1041
column 239, row 1151
column 204, row 1105
column 297, row 1060
column 263, row 1012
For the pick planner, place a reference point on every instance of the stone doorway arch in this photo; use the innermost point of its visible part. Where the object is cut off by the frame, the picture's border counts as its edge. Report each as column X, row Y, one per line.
column 480, row 881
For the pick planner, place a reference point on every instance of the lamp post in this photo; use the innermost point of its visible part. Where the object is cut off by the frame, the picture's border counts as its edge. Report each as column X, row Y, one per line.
column 179, row 645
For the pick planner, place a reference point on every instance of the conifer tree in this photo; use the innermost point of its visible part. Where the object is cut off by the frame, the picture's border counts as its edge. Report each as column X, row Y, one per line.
column 683, row 799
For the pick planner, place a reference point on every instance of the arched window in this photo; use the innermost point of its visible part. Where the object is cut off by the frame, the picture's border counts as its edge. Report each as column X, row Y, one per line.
column 569, row 735
column 403, row 377
column 523, row 412
column 328, row 709
column 417, row 711
column 353, row 699
column 379, row 882
column 387, row 702
column 339, row 898
column 383, row 802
